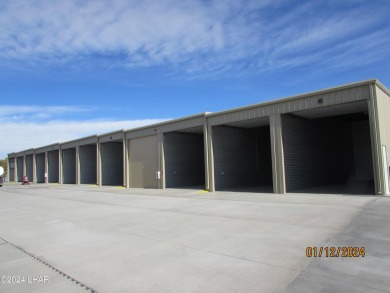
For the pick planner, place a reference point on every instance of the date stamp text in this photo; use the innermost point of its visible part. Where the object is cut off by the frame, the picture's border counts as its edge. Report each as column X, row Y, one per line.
column 332, row 251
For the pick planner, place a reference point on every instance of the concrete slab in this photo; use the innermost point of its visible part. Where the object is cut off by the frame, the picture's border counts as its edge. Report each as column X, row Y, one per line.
column 178, row 240
column 371, row 273
column 20, row 272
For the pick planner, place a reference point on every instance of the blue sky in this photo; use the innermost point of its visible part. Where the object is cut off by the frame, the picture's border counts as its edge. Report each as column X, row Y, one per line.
column 74, row 68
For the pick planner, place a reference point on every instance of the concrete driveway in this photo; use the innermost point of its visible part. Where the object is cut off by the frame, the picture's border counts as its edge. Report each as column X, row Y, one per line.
column 111, row 239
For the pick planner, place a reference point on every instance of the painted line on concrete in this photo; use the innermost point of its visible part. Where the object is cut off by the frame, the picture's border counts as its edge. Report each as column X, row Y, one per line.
column 202, row 191
column 87, row 288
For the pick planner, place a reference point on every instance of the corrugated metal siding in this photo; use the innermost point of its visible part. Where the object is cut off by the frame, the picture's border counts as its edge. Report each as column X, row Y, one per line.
column 20, row 162
column 29, row 167
column 69, row 166
column 79, row 142
column 242, row 157
column 169, row 127
column 53, row 166
column 316, row 152
column 259, row 164
column 383, row 101
column 88, row 164
column 40, row 167
column 229, row 156
column 362, row 151
column 112, row 163
column 332, row 98
column 144, row 162
column 112, row 137
column 184, row 159
column 48, row 148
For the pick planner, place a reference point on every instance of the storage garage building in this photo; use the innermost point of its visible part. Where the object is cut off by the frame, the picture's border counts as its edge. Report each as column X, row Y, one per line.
column 330, row 141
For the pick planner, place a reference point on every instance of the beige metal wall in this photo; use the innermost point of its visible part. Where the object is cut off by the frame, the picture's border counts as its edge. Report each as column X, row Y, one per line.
column 144, row 162
column 383, row 100
column 300, row 103
column 169, row 126
column 383, row 117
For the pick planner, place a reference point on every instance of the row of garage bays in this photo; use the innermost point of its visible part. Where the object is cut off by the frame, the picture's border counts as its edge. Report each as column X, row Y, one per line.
column 317, row 148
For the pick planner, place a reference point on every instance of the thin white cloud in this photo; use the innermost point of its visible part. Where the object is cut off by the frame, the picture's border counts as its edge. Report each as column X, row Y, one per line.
column 25, row 135
column 6, row 110
column 11, row 113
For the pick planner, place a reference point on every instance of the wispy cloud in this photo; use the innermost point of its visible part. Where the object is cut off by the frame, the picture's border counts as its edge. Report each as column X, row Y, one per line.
column 38, row 113
column 23, row 127
column 25, row 135
column 207, row 37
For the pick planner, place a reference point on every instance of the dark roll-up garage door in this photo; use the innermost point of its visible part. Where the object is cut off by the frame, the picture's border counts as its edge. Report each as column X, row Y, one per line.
column 20, row 162
column 29, row 167
column 242, row 158
column 229, row 156
column 53, row 166
column 69, row 166
column 184, row 159
column 112, row 163
column 362, row 151
column 330, row 154
column 40, row 167
column 88, row 164
column 144, row 162
column 259, row 157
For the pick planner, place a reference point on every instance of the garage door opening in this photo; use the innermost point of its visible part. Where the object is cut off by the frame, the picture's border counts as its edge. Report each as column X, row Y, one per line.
column 29, row 167
column 69, row 166
column 112, row 163
column 53, row 166
column 328, row 150
column 184, row 159
column 20, row 163
column 88, row 164
column 40, row 167
column 242, row 156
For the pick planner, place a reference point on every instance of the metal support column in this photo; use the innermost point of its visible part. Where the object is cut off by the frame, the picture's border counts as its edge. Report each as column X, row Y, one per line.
column 161, row 163
column 377, row 159
column 46, row 167
column 99, row 163
column 15, row 169
column 278, row 172
column 206, row 155
column 60, row 179
column 34, row 163
column 210, row 162
column 126, row 162
column 77, row 164
column 24, row 166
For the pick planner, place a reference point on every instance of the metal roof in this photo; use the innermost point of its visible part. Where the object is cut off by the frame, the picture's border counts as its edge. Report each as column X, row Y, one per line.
column 300, row 96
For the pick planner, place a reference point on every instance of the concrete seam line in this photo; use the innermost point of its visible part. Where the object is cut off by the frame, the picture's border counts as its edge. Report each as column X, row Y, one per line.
column 328, row 243
column 87, row 288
